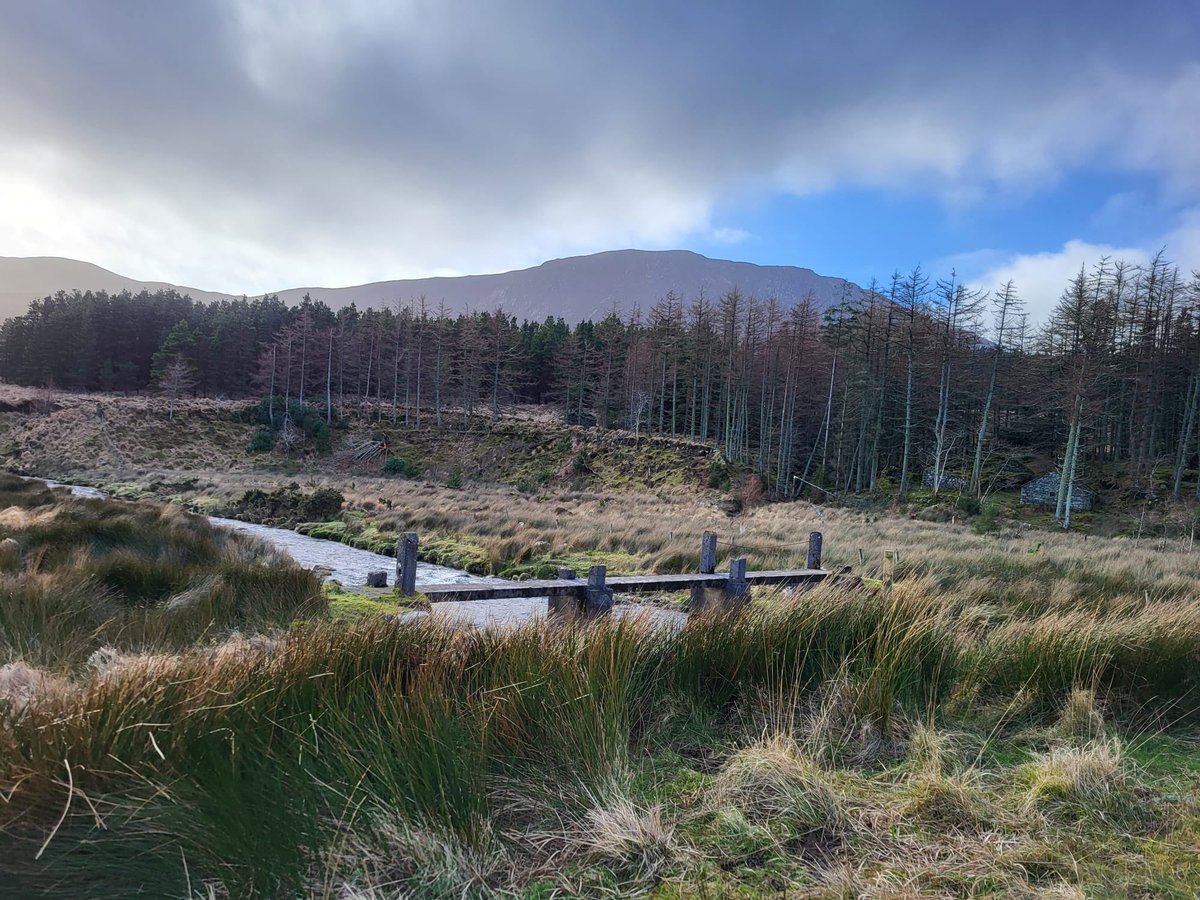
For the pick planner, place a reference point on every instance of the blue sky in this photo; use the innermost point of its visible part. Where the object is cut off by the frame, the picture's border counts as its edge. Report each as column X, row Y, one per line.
column 865, row 232
column 252, row 145
column 862, row 233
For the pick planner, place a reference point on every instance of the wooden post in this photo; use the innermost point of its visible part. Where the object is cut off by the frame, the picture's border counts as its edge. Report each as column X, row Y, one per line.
column 814, row 550
column 406, row 563
column 708, row 553
column 737, row 589
column 596, row 597
column 566, row 574
column 890, row 558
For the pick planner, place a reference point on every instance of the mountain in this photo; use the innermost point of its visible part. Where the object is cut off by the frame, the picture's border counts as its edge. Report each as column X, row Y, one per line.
column 27, row 278
column 578, row 287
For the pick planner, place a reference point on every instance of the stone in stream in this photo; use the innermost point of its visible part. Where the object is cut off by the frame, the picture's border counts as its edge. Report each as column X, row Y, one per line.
column 377, row 579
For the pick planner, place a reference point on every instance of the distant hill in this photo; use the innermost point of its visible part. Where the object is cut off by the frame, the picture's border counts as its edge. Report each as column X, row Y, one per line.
column 577, row 287
column 28, row 278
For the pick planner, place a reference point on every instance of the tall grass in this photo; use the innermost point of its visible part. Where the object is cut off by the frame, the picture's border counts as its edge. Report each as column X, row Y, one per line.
column 85, row 574
column 253, row 764
column 288, row 767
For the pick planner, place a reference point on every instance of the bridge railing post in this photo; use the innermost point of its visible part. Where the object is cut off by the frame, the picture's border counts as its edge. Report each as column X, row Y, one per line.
column 597, row 598
column 406, row 563
column 814, row 550
column 708, row 553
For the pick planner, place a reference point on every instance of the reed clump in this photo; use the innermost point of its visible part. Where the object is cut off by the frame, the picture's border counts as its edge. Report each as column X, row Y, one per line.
column 86, row 574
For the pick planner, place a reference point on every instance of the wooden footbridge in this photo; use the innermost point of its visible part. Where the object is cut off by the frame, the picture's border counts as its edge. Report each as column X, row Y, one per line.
column 594, row 594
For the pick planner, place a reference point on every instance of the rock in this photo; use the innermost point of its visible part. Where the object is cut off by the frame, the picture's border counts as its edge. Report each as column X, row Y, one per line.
column 377, row 579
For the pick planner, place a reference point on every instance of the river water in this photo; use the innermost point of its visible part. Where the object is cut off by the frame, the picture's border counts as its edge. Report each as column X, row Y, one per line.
column 349, row 566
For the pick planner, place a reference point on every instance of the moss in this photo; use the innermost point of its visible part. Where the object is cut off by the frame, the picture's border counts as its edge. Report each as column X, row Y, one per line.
column 457, row 553
column 127, row 490
column 373, row 539
column 547, row 566
column 348, row 605
column 326, row 531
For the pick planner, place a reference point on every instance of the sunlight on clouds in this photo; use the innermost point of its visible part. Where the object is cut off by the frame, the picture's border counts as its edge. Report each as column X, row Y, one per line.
column 332, row 143
column 1041, row 277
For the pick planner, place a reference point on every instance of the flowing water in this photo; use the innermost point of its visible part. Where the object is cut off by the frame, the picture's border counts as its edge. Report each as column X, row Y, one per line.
column 350, row 565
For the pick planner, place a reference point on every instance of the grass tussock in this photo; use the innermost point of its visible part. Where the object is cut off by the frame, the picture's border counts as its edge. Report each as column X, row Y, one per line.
column 1080, row 776
column 773, row 782
column 88, row 574
column 247, row 755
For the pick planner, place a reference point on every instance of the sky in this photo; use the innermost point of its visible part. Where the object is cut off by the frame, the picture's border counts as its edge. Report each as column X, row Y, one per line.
column 254, row 145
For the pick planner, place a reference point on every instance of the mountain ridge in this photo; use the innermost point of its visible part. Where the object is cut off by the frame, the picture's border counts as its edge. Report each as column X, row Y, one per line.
column 573, row 287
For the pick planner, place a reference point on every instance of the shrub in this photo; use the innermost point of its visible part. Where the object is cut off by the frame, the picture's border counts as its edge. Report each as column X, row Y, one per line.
column 988, row 519
column 322, row 439
column 311, row 421
column 938, row 512
column 718, row 475
column 456, row 478
column 968, row 504
column 398, row 465
column 322, row 504
column 261, row 441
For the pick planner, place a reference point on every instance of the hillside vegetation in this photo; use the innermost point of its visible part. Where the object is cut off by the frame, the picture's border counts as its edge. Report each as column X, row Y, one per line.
column 919, row 381
column 61, row 434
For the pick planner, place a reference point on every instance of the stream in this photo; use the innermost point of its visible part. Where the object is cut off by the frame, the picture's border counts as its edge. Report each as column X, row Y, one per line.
column 349, row 566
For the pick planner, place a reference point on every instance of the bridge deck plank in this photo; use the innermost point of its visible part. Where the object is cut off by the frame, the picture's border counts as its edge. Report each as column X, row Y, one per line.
column 619, row 584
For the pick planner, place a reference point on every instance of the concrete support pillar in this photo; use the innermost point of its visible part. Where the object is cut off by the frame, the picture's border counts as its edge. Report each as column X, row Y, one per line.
column 406, row 563
column 596, row 597
column 708, row 553
column 737, row 589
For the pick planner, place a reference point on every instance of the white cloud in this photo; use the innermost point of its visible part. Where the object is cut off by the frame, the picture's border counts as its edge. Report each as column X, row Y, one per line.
column 248, row 145
column 728, row 235
column 1040, row 278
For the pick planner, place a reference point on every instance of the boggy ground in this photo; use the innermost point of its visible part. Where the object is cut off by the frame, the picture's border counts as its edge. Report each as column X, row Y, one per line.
column 1015, row 718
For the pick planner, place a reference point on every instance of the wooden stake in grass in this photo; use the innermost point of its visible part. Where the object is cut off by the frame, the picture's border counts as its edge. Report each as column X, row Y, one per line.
column 890, row 558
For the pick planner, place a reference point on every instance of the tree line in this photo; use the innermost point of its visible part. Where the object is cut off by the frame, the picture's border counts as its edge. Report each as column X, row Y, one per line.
column 919, row 380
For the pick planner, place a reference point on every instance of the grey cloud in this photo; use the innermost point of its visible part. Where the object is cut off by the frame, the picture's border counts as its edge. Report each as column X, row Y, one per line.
column 285, row 141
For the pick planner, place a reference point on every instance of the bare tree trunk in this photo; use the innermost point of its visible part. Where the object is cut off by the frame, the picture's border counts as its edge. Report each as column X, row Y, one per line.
column 329, row 382
column 271, row 392
column 908, row 400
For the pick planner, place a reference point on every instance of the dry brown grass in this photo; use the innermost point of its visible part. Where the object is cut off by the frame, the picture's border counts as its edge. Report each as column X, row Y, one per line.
column 773, row 781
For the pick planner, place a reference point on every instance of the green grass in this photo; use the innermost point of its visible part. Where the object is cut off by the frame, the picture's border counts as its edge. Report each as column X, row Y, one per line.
column 947, row 738
column 604, row 758
column 347, row 606
column 92, row 574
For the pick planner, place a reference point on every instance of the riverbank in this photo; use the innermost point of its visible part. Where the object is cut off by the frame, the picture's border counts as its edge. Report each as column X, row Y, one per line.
column 49, row 433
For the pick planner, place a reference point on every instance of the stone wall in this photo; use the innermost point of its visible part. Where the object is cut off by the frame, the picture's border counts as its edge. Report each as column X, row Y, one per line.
column 1043, row 491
